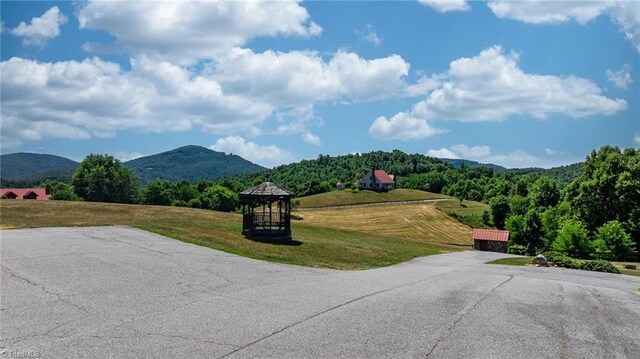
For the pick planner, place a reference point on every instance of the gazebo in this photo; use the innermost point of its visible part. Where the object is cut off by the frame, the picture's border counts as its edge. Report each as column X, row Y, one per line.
column 266, row 212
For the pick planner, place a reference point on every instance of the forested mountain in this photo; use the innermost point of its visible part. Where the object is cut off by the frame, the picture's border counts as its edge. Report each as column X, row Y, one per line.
column 348, row 169
column 191, row 163
column 33, row 167
column 562, row 174
column 457, row 163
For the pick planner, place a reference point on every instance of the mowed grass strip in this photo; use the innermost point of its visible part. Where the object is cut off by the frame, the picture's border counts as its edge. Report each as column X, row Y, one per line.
column 420, row 223
column 317, row 246
column 348, row 197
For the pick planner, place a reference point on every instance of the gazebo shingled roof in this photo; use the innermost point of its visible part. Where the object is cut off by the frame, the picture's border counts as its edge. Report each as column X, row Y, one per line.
column 266, row 189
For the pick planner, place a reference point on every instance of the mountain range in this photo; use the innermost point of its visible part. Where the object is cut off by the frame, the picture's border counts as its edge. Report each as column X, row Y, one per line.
column 191, row 163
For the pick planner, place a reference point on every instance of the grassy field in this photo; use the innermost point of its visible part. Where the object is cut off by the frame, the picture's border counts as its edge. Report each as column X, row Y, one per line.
column 420, row 222
column 348, row 197
column 469, row 212
column 316, row 244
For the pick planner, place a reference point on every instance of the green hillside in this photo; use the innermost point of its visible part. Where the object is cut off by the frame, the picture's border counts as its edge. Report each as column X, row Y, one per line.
column 348, row 197
column 303, row 176
column 191, row 163
column 457, row 163
column 35, row 167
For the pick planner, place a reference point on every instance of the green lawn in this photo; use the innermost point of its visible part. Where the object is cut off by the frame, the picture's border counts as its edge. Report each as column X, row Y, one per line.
column 517, row 261
column 315, row 245
column 348, row 197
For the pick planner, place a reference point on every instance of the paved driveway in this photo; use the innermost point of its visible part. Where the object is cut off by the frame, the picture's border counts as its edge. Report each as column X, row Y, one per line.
column 121, row 292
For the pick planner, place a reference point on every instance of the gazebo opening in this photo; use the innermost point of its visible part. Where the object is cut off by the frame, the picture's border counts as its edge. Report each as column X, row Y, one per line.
column 266, row 212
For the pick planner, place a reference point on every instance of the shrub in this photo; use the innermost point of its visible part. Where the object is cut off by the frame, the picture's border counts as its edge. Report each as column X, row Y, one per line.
column 562, row 260
column 599, row 265
column 517, row 249
column 178, row 203
column 65, row 194
column 195, row 203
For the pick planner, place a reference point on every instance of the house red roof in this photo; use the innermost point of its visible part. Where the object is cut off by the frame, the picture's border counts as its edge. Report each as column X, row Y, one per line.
column 383, row 177
column 20, row 193
column 490, row 235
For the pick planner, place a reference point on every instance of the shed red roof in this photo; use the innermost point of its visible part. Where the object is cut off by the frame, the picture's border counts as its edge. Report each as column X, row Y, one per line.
column 383, row 177
column 490, row 235
column 41, row 193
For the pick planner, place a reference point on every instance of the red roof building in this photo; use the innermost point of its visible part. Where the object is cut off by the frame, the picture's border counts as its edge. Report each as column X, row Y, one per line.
column 377, row 180
column 24, row 193
column 492, row 240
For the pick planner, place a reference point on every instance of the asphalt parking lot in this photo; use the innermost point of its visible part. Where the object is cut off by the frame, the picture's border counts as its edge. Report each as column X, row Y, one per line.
column 121, row 292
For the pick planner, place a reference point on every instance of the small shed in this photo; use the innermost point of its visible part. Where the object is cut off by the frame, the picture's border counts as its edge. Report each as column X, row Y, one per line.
column 492, row 240
column 266, row 212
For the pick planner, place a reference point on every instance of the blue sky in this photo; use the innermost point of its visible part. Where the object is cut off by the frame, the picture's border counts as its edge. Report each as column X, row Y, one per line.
column 518, row 84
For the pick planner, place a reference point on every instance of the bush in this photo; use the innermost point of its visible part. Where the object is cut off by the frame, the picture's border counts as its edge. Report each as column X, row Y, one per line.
column 195, row 203
column 64, row 194
column 599, row 265
column 562, row 260
column 517, row 249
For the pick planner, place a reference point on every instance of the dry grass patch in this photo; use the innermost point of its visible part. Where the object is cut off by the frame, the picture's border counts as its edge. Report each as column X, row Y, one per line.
column 416, row 222
column 348, row 197
column 316, row 246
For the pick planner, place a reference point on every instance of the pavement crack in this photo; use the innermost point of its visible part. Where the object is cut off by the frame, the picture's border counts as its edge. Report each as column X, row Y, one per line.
column 332, row 309
column 464, row 312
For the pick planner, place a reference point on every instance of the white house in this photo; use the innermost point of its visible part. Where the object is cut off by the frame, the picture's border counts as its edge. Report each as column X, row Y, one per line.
column 377, row 180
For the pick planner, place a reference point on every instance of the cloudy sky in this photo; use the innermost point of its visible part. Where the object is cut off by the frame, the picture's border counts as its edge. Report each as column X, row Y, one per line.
column 529, row 83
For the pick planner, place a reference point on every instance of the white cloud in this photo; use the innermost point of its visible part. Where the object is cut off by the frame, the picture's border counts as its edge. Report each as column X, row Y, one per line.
column 423, row 86
column 442, row 153
column 473, row 151
column 517, row 159
column 232, row 95
column 309, row 137
column 548, row 12
column 491, row 87
column 41, row 29
column 97, row 98
column 625, row 13
column 203, row 29
column 446, row 5
column 298, row 78
column 369, row 35
column 482, row 154
column 403, row 127
column 125, row 156
column 550, row 151
column 267, row 156
column 636, row 139
column 622, row 78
